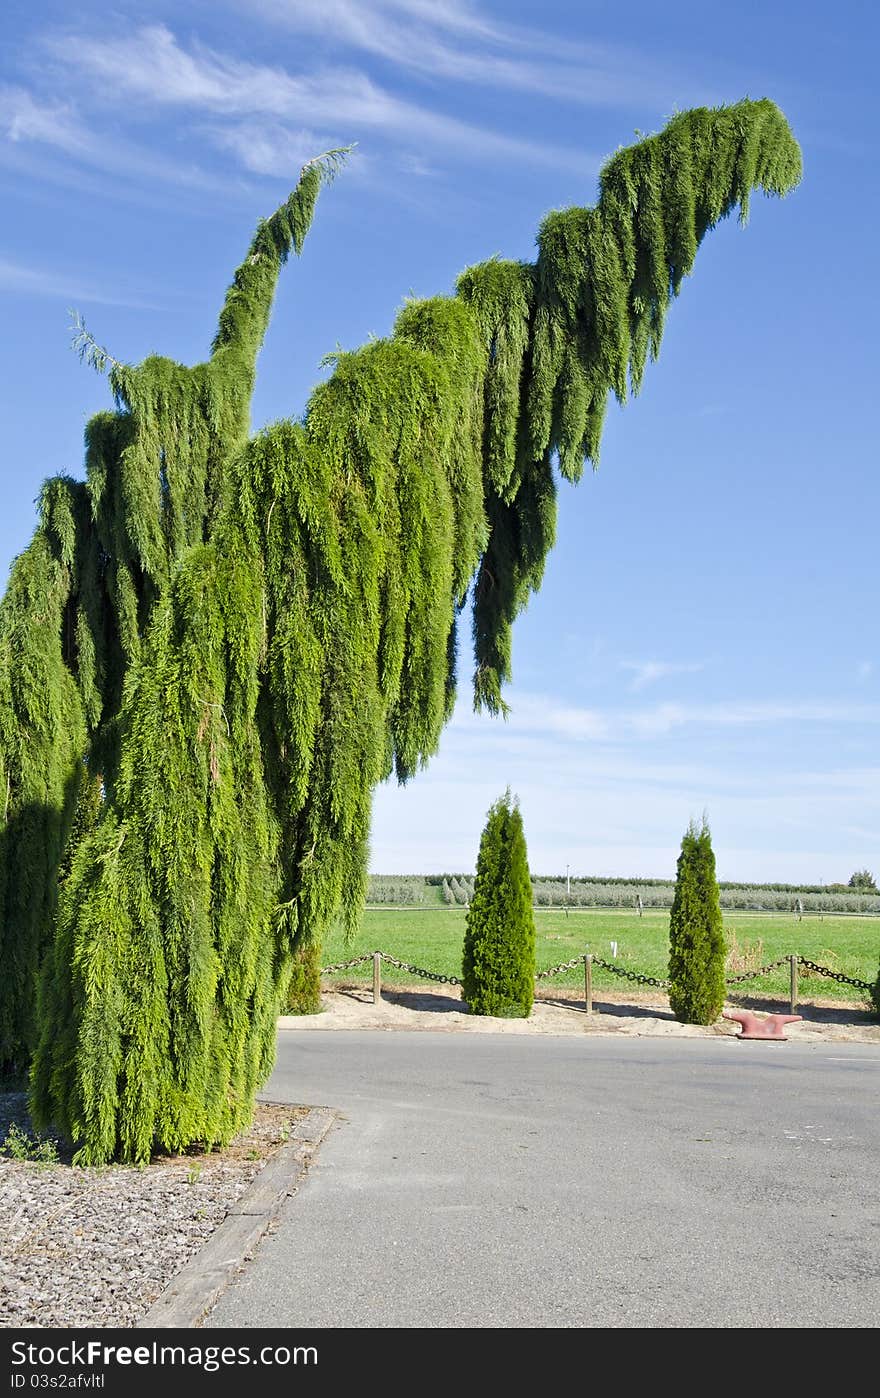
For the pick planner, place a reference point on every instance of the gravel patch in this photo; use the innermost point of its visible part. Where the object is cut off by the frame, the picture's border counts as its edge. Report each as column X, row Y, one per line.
column 96, row 1246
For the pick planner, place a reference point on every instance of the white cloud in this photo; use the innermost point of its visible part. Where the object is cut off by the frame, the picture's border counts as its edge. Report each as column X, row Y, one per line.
column 26, row 121
column 736, row 714
column 612, row 794
column 151, row 66
column 646, row 672
column 33, row 281
column 607, row 823
column 535, row 713
column 267, row 149
column 458, row 44
column 23, row 118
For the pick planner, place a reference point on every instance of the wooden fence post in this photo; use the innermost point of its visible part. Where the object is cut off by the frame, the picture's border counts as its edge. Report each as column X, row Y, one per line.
column 793, row 961
column 588, row 982
column 377, row 977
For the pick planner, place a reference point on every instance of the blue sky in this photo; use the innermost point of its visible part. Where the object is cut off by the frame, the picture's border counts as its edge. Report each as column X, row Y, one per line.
column 705, row 635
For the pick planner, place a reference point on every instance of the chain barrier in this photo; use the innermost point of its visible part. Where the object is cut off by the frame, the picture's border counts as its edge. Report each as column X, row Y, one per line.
column 753, row 975
column 346, row 965
column 630, row 975
column 392, row 961
column 608, row 965
column 555, row 970
column 635, row 976
column 419, row 971
column 834, row 975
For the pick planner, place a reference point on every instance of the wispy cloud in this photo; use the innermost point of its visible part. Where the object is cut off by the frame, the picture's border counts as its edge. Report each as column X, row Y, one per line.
column 268, row 148
column 270, row 116
column 539, row 714
column 457, row 43
column 151, row 66
column 58, row 126
column 666, row 717
column 647, row 672
column 33, row 281
column 24, row 118
column 612, row 794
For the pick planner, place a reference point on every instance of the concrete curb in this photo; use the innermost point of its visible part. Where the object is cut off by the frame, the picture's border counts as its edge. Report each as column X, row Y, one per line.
column 189, row 1296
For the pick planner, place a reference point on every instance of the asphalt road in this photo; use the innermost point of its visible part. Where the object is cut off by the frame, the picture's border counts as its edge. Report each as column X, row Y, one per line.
column 488, row 1181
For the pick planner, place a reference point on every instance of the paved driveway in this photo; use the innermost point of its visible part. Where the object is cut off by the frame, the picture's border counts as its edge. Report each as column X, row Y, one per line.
column 481, row 1180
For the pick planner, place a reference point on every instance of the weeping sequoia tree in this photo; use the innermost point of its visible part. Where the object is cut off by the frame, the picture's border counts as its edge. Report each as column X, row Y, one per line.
column 217, row 644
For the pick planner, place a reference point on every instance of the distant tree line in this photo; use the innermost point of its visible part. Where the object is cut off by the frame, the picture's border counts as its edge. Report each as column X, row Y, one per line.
column 389, row 891
column 457, row 890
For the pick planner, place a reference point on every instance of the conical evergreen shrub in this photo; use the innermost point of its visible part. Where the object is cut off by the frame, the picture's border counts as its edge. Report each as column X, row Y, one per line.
column 696, row 933
column 498, row 966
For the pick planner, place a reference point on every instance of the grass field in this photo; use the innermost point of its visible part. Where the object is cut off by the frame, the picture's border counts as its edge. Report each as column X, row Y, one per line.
column 432, row 938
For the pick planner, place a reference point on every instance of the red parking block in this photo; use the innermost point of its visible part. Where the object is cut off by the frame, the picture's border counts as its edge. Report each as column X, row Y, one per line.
column 754, row 1028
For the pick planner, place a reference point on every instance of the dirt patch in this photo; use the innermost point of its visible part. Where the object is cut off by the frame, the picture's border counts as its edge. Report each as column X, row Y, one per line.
column 350, row 1006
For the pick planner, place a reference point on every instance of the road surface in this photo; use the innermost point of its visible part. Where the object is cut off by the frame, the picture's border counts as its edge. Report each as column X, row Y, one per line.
column 495, row 1181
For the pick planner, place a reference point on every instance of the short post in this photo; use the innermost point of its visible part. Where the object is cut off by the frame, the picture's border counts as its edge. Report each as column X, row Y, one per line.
column 377, row 977
column 588, row 982
column 793, row 961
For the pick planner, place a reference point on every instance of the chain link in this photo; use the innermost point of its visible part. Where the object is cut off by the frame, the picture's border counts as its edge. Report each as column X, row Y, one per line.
column 346, row 965
column 608, row 965
column 630, row 975
column 392, row 961
column 834, row 975
column 419, row 971
column 753, row 975
column 555, row 970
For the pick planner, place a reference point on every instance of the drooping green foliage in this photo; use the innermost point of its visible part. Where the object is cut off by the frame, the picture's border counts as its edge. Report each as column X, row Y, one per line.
column 304, row 993
column 40, row 774
column 606, row 275
column 598, row 295
column 696, row 933
column 165, row 968
column 79, row 605
column 215, row 647
column 498, row 964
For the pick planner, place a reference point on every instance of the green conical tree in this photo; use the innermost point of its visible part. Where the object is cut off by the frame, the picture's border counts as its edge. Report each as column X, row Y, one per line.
column 696, row 933
column 498, row 966
column 215, row 647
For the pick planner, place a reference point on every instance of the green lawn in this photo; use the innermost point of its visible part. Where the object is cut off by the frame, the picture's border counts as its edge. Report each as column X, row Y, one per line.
column 432, row 938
